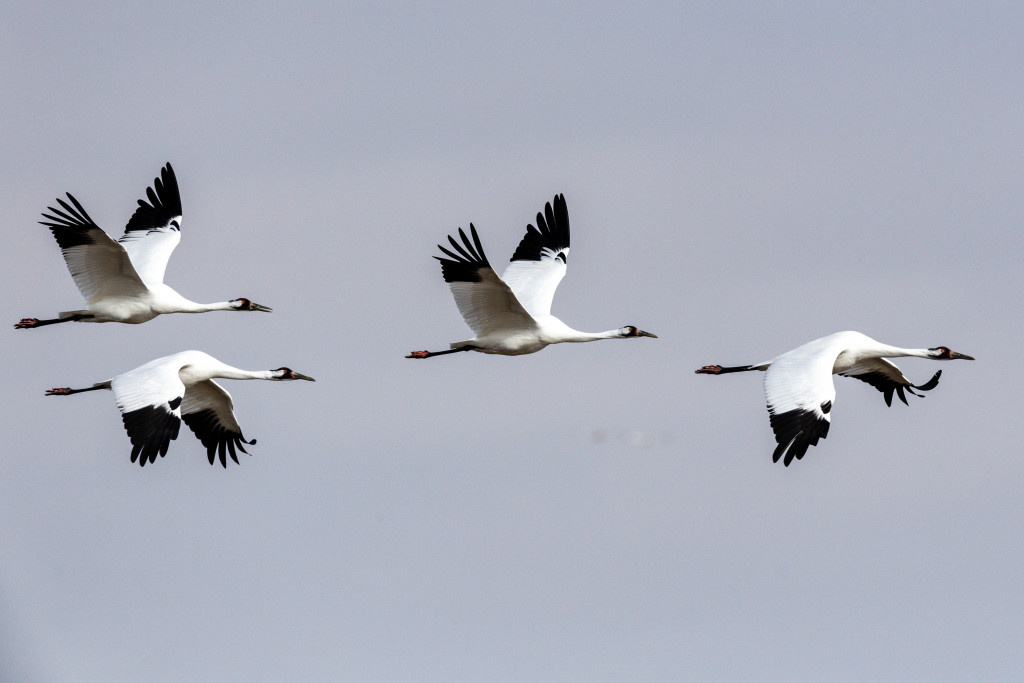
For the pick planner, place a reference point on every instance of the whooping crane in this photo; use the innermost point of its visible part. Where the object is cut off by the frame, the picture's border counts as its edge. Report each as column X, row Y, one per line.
column 511, row 315
column 154, row 399
column 122, row 281
column 798, row 384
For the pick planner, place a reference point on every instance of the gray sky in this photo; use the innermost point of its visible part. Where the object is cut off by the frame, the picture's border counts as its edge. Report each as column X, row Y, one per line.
column 739, row 179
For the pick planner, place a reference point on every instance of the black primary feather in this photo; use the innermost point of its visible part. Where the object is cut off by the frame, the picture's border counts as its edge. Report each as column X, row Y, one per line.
column 164, row 204
column 71, row 225
column 465, row 265
column 151, row 430
column 888, row 385
column 219, row 440
column 796, row 430
column 551, row 233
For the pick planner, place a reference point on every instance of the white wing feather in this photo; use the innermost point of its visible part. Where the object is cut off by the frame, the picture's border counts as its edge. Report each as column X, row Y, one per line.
column 99, row 266
column 490, row 304
column 153, row 384
column 208, row 395
column 103, row 269
column 150, row 251
column 153, row 231
column 799, row 383
column 538, row 264
column 799, row 392
column 535, row 282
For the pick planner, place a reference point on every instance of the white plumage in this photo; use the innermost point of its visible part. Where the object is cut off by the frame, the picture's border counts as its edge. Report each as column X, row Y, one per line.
column 122, row 281
column 511, row 315
column 156, row 397
column 800, row 394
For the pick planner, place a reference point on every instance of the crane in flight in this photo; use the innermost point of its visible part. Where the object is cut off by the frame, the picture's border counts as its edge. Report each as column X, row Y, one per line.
column 123, row 281
column 157, row 397
column 799, row 391
column 511, row 315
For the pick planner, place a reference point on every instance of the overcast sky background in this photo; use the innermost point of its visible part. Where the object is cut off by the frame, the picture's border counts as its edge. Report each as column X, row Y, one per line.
column 740, row 179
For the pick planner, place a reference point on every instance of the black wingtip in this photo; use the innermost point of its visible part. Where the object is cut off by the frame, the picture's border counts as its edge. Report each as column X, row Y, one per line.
column 551, row 233
column 151, row 430
column 796, row 431
column 463, row 264
column 930, row 384
column 164, row 203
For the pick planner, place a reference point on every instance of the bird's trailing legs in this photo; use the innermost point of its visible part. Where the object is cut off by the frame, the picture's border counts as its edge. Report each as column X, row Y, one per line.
column 67, row 391
column 26, row 323
column 719, row 370
column 429, row 354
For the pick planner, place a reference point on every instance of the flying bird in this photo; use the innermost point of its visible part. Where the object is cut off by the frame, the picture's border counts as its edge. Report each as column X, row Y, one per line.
column 511, row 315
column 156, row 397
column 799, row 391
column 123, row 281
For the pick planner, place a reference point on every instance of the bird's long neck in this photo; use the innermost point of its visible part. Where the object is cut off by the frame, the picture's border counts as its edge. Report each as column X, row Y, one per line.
column 193, row 307
column 886, row 351
column 577, row 336
column 170, row 301
column 190, row 374
column 229, row 372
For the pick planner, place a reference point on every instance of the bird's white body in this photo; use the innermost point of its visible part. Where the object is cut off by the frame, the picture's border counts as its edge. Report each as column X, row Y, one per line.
column 514, row 336
column 511, row 315
column 800, row 393
column 122, row 281
column 152, row 299
column 156, row 397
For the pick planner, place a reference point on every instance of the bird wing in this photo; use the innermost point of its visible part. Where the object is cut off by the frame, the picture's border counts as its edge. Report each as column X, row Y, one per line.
column 207, row 410
column 799, row 391
column 486, row 303
column 539, row 262
column 887, row 378
column 149, row 398
column 99, row 266
column 154, row 230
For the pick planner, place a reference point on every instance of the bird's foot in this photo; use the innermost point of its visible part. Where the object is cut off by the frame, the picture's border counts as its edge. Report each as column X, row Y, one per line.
column 26, row 323
column 419, row 354
column 59, row 391
column 709, row 370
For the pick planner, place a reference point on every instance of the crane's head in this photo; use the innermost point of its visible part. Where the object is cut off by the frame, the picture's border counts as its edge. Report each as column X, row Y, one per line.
column 630, row 331
column 243, row 304
column 288, row 373
column 944, row 353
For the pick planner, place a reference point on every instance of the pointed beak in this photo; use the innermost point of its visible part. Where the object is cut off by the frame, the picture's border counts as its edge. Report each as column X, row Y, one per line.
column 963, row 356
column 296, row 375
column 259, row 307
column 641, row 333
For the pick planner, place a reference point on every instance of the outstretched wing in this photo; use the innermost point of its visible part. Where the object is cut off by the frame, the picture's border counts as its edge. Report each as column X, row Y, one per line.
column 539, row 262
column 207, row 410
column 799, row 392
column 155, row 228
column 149, row 398
column 485, row 302
column 887, row 378
column 99, row 266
